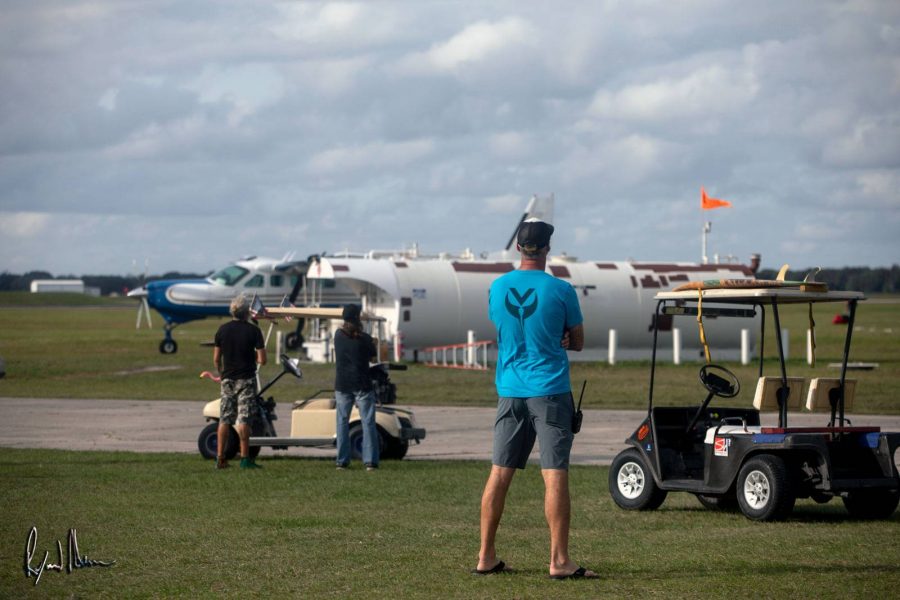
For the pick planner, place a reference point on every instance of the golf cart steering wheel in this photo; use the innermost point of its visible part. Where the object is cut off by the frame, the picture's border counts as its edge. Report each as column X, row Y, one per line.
column 723, row 387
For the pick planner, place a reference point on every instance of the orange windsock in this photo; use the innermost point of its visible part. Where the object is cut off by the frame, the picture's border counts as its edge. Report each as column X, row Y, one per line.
column 707, row 203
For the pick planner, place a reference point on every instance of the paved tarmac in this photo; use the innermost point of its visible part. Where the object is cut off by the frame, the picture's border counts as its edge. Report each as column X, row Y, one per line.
column 453, row 433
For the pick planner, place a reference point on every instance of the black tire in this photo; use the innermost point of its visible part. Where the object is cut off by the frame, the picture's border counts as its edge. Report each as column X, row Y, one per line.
column 724, row 502
column 258, row 429
column 292, row 341
column 631, row 483
column 395, row 449
column 871, row 504
column 168, row 347
column 764, row 491
column 208, row 442
column 356, row 441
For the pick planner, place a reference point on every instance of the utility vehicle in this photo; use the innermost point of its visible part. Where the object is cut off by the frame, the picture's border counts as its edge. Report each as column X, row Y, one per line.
column 728, row 459
column 313, row 419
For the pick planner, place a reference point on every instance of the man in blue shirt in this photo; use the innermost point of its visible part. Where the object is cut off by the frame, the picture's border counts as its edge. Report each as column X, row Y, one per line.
column 538, row 318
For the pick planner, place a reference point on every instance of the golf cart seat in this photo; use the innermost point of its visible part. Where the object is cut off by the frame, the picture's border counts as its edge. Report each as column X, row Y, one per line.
column 766, row 397
column 324, row 403
column 730, row 430
column 823, row 389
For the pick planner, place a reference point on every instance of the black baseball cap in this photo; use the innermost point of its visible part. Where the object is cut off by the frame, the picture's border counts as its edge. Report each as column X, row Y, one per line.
column 351, row 312
column 534, row 234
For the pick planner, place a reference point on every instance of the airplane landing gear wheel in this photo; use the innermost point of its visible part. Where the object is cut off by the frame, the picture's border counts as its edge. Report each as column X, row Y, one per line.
column 292, row 341
column 168, row 347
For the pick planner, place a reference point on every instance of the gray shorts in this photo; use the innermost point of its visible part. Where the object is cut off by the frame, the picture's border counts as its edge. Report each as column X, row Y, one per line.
column 521, row 420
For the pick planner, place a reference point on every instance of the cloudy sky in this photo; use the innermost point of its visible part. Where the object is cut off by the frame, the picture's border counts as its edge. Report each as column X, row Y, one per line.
column 184, row 134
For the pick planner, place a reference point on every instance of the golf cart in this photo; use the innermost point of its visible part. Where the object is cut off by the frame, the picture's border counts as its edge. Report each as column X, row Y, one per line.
column 313, row 420
column 728, row 459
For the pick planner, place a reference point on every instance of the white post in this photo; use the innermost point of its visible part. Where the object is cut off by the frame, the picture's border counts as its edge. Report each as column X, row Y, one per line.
column 745, row 346
column 470, row 349
column 707, row 226
column 676, row 346
column 398, row 346
column 809, row 347
column 784, row 342
column 612, row 346
column 279, row 339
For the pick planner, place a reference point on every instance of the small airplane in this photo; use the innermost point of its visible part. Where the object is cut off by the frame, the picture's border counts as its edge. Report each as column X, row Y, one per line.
column 180, row 301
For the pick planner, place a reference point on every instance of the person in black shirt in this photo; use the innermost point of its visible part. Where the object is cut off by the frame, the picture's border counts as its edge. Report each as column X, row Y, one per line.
column 353, row 348
column 239, row 347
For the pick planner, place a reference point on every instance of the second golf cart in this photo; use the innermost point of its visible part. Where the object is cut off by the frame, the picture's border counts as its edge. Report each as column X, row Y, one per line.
column 727, row 459
column 313, row 420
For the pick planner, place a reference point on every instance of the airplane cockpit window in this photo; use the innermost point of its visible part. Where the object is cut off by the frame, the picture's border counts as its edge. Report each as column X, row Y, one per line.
column 229, row 275
column 276, row 280
column 256, row 281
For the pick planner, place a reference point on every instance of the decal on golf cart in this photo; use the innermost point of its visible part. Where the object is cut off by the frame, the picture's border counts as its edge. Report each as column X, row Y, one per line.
column 721, row 446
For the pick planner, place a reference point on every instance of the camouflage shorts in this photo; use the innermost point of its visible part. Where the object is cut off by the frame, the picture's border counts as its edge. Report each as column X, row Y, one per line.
column 237, row 401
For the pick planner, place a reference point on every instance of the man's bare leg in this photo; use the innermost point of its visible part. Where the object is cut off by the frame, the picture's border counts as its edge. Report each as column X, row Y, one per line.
column 243, row 430
column 558, row 510
column 222, row 442
column 492, row 502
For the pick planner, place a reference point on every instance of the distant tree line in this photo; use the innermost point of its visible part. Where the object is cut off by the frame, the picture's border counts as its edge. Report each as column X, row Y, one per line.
column 861, row 279
column 107, row 284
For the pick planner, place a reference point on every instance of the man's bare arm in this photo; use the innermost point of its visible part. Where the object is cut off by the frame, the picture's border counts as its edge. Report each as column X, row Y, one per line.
column 261, row 356
column 217, row 359
column 576, row 338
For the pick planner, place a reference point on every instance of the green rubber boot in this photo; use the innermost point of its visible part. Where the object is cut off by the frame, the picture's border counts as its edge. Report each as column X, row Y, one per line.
column 249, row 463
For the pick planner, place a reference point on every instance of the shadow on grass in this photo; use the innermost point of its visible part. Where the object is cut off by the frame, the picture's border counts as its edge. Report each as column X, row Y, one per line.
column 831, row 512
column 772, row 569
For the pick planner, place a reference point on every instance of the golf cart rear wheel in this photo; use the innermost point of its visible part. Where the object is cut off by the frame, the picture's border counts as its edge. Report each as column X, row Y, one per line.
column 723, row 502
column 631, row 483
column 208, row 442
column 356, row 441
column 256, row 430
column 764, row 492
column 871, row 504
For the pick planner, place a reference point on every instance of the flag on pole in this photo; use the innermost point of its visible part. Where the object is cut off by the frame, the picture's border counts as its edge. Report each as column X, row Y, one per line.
column 707, row 203
column 257, row 310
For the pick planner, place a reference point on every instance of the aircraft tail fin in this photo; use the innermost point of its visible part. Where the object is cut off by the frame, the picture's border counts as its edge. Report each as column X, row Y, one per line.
column 537, row 208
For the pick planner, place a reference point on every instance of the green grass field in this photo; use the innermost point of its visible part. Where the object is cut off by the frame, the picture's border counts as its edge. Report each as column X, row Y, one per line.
column 66, row 351
column 298, row 528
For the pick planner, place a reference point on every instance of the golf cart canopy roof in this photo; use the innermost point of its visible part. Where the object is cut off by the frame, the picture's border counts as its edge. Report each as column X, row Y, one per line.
column 761, row 296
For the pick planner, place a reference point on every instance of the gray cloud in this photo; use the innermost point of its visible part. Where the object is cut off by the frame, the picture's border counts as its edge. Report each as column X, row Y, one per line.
column 193, row 132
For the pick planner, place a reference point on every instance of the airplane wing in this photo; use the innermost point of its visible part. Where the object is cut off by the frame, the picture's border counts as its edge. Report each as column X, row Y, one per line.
column 316, row 313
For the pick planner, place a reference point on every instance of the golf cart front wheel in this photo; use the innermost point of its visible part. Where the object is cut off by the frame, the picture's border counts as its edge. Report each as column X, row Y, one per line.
column 764, row 491
column 395, row 449
column 871, row 504
column 208, row 442
column 631, row 483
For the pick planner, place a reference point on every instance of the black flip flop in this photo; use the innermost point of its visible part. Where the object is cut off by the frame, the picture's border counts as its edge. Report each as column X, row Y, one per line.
column 580, row 573
column 500, row 567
